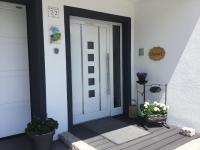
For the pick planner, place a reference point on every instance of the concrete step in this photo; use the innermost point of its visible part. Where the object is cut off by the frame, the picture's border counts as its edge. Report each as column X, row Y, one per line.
column 192, row 145
column 73, row 142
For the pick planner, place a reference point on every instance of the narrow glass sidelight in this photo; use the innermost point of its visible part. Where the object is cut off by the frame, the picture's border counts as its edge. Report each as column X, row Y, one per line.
column 117, row 66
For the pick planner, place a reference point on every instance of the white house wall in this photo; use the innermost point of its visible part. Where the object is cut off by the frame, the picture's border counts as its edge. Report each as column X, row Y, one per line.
column 55, row 64
column 174, row 25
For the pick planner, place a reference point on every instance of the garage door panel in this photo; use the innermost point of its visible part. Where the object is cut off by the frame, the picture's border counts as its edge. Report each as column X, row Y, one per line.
column 14, row 120
column 14, row 22
column 15, row 110
column 14, row 54
column 14, row 87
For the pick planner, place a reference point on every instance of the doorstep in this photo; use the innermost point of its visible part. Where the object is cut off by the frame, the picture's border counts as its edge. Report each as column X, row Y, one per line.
column 74, row 142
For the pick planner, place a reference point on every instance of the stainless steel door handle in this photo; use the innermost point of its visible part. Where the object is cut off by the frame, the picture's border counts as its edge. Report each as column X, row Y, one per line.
column 108, row 73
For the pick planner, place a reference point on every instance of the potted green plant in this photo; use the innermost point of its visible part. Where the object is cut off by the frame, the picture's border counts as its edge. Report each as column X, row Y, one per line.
column 41, row 132
column 155, row 112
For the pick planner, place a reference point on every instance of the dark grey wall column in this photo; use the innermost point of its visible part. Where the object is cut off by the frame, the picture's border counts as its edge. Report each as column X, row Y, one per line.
column 36, row 58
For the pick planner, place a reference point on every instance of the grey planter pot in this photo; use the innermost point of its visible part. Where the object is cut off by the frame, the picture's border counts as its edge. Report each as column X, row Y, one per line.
column 42, row 142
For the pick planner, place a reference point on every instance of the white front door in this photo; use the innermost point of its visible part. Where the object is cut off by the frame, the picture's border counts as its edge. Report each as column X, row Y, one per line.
column 92, row 78
column 15, row 111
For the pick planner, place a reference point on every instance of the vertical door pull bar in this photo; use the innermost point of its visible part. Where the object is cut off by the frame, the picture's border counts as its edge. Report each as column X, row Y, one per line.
column 108, row 73
column 81, row 36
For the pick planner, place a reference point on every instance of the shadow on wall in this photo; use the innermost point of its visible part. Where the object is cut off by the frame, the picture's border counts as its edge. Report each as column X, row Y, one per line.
column 176, row 28
column 184, row 85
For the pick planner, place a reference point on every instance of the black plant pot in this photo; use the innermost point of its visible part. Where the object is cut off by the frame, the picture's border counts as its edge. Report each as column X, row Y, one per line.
column 142, row 78
column 42, row 142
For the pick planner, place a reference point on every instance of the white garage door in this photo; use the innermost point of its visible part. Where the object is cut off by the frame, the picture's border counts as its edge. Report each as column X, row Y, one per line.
column 14, row 70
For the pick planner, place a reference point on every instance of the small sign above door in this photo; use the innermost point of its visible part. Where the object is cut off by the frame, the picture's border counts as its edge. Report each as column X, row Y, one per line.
column 53, row 12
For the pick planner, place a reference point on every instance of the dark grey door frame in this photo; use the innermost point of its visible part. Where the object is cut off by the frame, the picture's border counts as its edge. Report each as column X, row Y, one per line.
column 36, row 55
column 126, row 54
column 25, row 2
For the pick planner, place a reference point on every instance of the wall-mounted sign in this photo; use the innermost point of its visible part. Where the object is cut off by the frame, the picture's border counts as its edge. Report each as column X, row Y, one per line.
column 54, row 34
column 157, row 53
column 53, row 12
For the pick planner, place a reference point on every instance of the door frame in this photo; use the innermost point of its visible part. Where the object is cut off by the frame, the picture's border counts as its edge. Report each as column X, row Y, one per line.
column 126, row 53
column 36, row 57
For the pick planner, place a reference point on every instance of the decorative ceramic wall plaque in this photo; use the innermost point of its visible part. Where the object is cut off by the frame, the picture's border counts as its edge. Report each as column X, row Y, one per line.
column 157, row 53
column 54, row 34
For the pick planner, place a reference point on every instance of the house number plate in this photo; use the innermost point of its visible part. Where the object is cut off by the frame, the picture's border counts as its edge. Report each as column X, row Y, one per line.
column 53, row 12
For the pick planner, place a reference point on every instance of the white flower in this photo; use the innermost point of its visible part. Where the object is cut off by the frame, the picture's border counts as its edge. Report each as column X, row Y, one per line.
column 155, row 103
column 162, row 105
column 146, row 104
column 165, row 108
column 156, row 109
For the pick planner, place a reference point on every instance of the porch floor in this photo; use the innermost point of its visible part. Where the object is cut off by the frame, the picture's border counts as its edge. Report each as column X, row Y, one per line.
column 23, row 143
column 159, row 138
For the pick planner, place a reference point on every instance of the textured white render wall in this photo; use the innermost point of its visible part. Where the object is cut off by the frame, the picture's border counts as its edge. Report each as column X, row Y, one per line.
column 174, row 25
column 56, row 64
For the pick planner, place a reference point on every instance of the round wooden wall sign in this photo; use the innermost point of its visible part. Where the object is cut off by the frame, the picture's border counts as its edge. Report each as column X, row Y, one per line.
column 157, row 53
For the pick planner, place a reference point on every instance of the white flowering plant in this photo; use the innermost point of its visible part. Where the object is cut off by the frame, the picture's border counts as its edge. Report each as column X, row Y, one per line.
column 154, row 109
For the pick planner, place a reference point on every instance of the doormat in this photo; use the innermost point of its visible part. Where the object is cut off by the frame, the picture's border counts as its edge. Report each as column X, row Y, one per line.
column 115, row 130
column 125, row 134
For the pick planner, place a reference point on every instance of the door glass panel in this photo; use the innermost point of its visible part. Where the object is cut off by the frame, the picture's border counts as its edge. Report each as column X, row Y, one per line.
column 90, row 57
column 91, row 81
column 90, row 69
column 90, row 45
column 91, row 93
column 116, row 66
